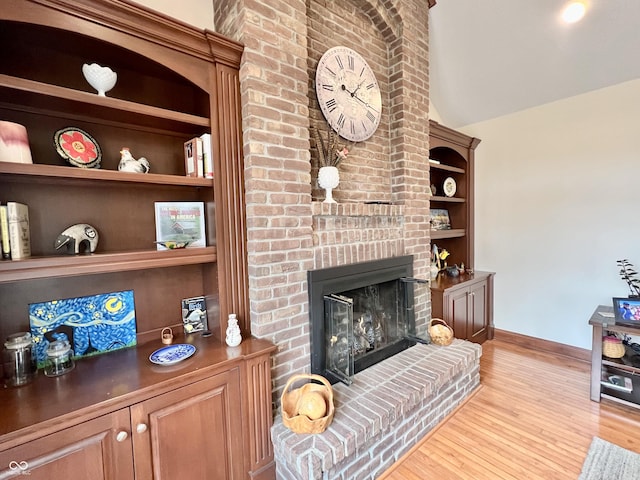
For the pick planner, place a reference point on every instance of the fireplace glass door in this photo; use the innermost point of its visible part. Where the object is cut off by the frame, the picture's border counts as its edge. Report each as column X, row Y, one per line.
column 361, row 325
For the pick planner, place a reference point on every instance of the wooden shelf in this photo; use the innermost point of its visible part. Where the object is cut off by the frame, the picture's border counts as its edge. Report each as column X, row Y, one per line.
column 59, row 175
column 453, row 233
column 59, row 99
column 448, row 168
column 437, row 198
column 67, row 265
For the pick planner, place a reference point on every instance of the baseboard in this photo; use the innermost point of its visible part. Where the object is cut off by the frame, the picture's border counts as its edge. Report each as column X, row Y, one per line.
column 539, row 344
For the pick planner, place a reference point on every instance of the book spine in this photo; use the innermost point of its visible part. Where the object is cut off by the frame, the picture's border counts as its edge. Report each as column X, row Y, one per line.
column 190, row 152
column 4, row 232
column 208, row 155
column 199, row 157
column 19, row 236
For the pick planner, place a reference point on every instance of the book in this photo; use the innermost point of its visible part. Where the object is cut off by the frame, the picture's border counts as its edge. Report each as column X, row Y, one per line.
column 207, row 154
column 4, row 232
column 190, row 152
column 194, row 314
column 199, row 157
column 19, row 236
column 180, row 223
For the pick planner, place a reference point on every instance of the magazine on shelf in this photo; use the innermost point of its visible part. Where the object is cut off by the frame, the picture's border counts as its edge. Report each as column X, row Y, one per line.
column 180, row 223
column 194, row 314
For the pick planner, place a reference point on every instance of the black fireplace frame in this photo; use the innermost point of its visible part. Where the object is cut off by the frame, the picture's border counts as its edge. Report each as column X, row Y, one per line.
column 334, row 280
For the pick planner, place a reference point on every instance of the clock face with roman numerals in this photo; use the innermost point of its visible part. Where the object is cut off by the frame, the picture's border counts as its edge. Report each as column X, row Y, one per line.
column 348, row 93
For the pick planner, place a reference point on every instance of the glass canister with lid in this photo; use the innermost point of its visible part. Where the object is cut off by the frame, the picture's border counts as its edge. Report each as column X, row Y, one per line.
column 59, row 358
column 18, row 359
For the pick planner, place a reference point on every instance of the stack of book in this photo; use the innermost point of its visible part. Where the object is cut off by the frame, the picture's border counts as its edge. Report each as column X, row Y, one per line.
column 198, row 157
column 14, row 231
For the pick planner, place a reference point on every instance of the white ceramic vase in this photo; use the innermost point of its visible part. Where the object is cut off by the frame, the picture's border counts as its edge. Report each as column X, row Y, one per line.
column 101, row 78
column 328, row 179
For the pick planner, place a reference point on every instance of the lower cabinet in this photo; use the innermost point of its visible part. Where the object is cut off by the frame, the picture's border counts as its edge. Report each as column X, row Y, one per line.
column 466, row 304
column 90, row 451
column 118, row 417
column 192, row 432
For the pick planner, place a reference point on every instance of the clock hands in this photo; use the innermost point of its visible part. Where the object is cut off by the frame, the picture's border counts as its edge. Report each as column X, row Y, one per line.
column 353, row 95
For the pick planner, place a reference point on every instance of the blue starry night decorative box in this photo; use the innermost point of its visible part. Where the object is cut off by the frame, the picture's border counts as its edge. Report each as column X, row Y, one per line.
column 93, row 325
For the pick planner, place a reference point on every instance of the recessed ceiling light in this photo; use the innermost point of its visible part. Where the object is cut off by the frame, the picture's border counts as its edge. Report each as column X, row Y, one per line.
column 574, row 12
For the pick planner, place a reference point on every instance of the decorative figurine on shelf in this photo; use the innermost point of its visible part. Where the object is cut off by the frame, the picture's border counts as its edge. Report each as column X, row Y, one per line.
column 79, row 238
column 233, row 337
column 101, row 78
column 130, row 164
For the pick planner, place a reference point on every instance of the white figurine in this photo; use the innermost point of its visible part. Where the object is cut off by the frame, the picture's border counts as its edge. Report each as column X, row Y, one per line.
column 130, row 164
column 233, row 337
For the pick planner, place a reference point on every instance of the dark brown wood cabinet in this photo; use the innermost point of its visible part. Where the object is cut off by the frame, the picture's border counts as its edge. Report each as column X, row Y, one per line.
column 116, row 415
column 89, row 451
column 464, row 302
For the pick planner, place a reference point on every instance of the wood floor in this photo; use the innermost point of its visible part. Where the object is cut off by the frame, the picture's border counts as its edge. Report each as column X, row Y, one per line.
column 531, row 419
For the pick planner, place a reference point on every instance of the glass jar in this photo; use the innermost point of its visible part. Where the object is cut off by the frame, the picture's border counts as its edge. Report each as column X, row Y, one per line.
column 18, row 359
column 59, row 358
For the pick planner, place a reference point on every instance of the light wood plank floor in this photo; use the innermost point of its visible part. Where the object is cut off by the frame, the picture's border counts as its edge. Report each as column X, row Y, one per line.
column 531, row 419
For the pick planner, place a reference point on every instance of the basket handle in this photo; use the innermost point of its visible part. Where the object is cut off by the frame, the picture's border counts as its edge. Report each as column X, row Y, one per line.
column 310, row 376
column 439, row 320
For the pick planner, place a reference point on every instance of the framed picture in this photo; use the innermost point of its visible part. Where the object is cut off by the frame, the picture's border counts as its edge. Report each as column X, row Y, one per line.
column 440, row 219
column 627, row 311
column 179, row 225
column 92, row 325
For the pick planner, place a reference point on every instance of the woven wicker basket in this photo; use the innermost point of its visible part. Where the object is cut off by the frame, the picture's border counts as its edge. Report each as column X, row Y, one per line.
column 612, row 347
column 290, row 398
column 440, row 332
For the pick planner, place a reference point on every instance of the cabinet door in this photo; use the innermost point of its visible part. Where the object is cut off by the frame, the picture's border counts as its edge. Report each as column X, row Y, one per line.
column 458, row 314
column 88, row 451
column 477, row 328
column 193, row 432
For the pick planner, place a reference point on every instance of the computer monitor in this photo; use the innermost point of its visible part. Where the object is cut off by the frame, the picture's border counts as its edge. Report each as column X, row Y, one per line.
column 627, row 311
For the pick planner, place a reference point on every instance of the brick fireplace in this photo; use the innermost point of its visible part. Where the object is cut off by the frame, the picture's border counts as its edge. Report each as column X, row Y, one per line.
column 383, row 196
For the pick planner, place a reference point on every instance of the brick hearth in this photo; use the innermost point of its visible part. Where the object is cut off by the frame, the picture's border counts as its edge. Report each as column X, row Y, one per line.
column 386, row 411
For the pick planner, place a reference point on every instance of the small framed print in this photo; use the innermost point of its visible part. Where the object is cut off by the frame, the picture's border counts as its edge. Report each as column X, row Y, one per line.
column 440, row 219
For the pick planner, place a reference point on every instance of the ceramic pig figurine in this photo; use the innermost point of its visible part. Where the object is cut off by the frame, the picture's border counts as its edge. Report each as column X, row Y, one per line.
column 77, row 236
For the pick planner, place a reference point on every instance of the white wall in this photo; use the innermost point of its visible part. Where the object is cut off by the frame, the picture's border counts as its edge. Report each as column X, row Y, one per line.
column 198, row 13
column 557, row 199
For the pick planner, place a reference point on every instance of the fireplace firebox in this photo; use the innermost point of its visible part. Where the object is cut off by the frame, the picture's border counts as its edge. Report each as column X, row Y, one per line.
column 360, row 314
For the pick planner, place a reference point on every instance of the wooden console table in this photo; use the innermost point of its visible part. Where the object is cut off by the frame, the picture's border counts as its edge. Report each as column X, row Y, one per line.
column 603, row 321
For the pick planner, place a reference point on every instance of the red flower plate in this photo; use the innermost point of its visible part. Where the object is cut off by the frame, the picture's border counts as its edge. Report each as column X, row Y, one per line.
column 78, row 147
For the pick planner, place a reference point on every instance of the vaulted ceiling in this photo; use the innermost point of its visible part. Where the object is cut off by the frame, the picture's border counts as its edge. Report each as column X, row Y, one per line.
column 494, row 57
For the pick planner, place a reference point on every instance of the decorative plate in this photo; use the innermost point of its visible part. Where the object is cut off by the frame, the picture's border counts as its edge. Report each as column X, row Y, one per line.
column 449, row 187
column 172, row 354
column 77, row 147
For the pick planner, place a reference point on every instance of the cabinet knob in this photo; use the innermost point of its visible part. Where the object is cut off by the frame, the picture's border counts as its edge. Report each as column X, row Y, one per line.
column 141, row 428
column 121, row 436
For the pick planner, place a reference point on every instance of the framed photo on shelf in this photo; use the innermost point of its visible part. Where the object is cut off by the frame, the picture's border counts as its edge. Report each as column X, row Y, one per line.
column 440, row 219
column 627, row 311
column 180, row 225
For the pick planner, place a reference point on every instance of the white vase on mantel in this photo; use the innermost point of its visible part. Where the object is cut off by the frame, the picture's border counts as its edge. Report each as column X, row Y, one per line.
column 328, row 179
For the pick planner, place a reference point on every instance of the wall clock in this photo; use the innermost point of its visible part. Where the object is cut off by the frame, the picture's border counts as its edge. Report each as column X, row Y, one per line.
column 348, row 93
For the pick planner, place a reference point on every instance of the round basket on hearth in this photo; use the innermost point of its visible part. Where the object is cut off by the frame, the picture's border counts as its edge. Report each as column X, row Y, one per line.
column 612, row 347
column 440, row 332
column 308, row 409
